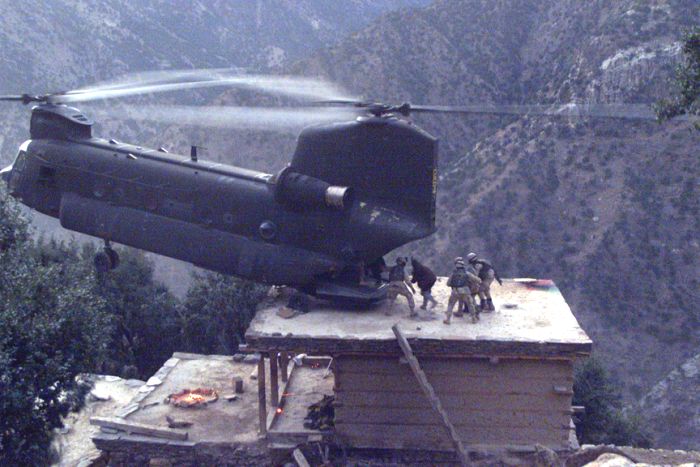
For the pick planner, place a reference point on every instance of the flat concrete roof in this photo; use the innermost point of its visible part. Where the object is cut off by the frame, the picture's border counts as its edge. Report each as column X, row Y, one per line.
column 219, row 422
column 532, row 319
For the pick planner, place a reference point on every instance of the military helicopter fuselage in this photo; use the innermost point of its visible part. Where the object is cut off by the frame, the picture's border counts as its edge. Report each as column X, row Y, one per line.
column 353, row 192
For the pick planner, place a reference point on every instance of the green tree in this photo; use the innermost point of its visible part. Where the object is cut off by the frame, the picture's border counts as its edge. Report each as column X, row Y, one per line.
column 687, row 100
column 217, row 311
column 146, row 327
column 604, row 421
column 52, row 327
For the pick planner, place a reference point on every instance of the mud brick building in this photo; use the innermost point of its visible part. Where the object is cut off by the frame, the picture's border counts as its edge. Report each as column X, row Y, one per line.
column 504, row 382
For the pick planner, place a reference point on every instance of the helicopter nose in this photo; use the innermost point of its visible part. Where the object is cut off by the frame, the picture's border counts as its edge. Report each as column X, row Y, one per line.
column 6, row 173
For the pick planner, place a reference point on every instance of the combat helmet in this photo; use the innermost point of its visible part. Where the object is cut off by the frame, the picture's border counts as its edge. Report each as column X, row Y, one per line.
column 471, row 257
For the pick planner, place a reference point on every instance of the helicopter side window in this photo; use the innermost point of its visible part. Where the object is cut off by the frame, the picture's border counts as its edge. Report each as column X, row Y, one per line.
column 47, row 175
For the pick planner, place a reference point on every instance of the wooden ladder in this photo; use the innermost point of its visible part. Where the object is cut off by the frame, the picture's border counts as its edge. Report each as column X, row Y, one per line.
column 430, row 394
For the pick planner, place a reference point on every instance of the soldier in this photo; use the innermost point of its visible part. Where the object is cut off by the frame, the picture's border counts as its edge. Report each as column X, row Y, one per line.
column 459, row 282
column 474, row 284
column 375, row 269
column 399, row 283
column 426, row 280
column 487, row 274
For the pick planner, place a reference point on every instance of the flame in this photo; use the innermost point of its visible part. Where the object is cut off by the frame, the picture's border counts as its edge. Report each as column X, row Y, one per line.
column 191, row 398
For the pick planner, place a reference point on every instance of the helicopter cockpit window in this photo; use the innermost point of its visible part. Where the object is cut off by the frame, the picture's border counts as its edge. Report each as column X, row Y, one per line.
column 20, row 161
column 17, row 169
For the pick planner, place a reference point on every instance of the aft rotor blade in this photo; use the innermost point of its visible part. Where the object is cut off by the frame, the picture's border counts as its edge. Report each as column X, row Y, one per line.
column 296, row 87
column 262, row 118
column 571, row 110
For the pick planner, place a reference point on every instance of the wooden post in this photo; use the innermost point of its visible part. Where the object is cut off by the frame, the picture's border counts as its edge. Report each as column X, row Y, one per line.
column 274, row 382
column 430, row 394
column 262, row 405
column 238, row 384
column 284, row 364
column 300, row 459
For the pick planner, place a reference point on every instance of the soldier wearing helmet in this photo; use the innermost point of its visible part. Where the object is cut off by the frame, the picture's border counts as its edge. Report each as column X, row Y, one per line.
column 487, row 274
column 460, row 294
column 399, row 284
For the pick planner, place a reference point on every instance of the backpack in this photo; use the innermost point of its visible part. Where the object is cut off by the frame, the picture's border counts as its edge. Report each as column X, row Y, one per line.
column 459, row 278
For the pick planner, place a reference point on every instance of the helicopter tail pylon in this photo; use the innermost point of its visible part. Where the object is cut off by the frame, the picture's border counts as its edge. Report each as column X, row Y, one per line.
column 385, row 160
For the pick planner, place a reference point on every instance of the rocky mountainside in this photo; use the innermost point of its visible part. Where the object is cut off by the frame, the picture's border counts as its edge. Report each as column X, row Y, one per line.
column 607, row 208
column 53, row 45
column 675, row 403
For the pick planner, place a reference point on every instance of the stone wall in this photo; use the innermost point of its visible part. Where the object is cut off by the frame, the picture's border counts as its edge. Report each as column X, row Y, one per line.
column 122, row 449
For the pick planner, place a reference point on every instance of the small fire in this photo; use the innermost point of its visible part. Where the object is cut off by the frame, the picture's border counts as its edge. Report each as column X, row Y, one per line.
column 279, row 410
column 193, row 397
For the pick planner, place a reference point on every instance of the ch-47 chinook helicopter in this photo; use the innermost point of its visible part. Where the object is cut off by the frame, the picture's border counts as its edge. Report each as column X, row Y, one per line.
column 353, row 191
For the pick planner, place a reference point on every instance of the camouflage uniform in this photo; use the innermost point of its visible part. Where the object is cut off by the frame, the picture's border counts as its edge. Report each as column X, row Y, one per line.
column 487, row 274
column 398, row 280
column 459, row 282
column 474, row 284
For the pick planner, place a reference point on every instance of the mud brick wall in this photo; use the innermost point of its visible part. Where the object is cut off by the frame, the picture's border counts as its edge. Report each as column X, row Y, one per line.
column 505, row 402
column 123, row 449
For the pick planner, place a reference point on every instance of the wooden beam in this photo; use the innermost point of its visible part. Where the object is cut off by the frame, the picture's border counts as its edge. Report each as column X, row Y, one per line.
column 460, row 348
column 300, row 459
column 430, row 394
column 262, row 404
column 139, row 428
column 272, row 415
column 284, row 364
column 274, row 382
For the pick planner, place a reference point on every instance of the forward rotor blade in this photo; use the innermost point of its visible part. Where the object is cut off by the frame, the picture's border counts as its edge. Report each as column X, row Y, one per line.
column 158, row 77
column 296, row 87
column 263, row 118
column 617, row 111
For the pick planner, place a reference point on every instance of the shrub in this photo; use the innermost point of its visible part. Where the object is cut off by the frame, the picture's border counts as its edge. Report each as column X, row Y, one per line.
column 604, row 421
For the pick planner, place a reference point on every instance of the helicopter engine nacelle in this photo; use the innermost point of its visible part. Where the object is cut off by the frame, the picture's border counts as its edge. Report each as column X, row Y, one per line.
column 302, row 191
column 51, row 121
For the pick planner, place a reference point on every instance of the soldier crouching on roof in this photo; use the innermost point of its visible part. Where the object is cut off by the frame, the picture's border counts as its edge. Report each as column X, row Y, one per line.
column 399, row 283
column 425, row 278
column 487, row 274
column 459, row 282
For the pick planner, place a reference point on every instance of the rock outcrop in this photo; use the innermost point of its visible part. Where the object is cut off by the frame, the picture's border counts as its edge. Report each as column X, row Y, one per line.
column 673, row 404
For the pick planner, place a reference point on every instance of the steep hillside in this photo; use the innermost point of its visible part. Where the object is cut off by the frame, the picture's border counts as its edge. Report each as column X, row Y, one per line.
column 609, row 209
column 52, row 45
column 675, row 403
